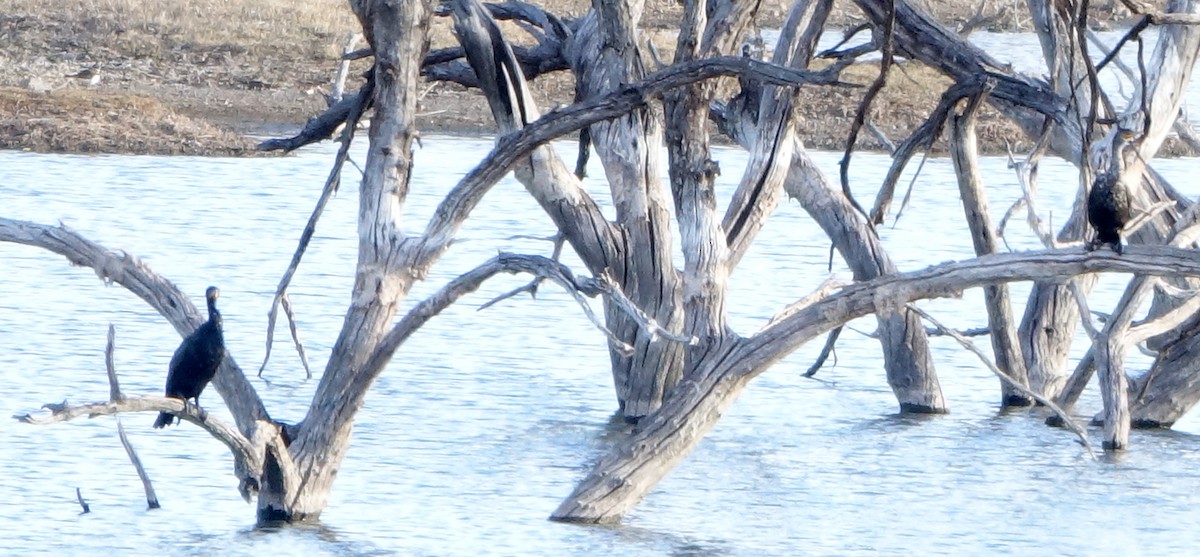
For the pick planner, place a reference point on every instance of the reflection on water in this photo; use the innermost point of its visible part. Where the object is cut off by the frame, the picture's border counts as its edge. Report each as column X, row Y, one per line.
column 486, row 419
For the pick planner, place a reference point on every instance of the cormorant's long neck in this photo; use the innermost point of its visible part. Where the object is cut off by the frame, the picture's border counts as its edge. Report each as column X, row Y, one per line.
column 213, row 314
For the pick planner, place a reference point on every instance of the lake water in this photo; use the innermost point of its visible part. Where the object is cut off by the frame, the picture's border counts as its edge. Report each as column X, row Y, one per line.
column 485, row 420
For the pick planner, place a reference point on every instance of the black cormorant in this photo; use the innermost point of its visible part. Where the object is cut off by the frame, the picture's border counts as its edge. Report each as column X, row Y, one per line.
column 1108, row 211
column 196, row 360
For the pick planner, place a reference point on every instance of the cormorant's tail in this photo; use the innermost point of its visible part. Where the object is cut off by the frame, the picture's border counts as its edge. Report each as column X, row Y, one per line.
column 164, row 420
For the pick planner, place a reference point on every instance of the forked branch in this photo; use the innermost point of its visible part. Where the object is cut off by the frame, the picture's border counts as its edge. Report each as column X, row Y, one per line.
column 126, row 270
column 512, row 264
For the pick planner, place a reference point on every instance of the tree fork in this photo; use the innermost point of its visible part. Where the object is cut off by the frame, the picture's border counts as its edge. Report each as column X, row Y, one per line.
column 635, row 464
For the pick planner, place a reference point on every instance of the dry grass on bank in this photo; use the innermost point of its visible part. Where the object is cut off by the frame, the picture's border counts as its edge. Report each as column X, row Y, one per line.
column 180, row 76
column 86, row 122
column 162, row 29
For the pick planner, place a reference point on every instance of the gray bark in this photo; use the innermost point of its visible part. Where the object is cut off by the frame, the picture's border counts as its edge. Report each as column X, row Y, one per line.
column 761, row 119
column 397, row 32
column 637, row 463
column 605, row 57
column 706, row 271
column 1051, row 315
column 1172, row 385
column 1005, row 344
column 1050, row 318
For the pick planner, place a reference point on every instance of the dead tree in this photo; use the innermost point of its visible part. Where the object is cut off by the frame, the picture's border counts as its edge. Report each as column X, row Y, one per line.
column 1076, row 116
column 719, row 362
column 678, row 364
column 761, row 119
column 291, row 467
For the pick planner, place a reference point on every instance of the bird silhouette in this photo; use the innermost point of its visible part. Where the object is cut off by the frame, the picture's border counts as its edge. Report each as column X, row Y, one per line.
column 196, row 360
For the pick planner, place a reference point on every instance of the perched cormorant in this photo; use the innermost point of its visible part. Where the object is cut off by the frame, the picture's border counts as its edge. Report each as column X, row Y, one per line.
column 196, row 360
column 1108, row 211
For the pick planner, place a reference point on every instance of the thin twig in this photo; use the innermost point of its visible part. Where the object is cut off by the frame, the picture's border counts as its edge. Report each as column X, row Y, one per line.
column 331, row 186
column 966, row 343
column 114, row 387
column 864, row 106
column 82, row 503
column 151, row 498
column 286, row 301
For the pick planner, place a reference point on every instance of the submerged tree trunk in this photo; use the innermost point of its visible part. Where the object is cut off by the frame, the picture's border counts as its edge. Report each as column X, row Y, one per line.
column 1005, row 343
column 636, row 464
column 605, row 56
column 397, row 32
column 1172, row 385
column 754, row 119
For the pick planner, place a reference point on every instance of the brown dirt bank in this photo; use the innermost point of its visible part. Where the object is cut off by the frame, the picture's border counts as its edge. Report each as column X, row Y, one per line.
column 159, row 77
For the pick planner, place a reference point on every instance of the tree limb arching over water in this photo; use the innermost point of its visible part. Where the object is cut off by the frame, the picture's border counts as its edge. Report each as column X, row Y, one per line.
column 677, row 364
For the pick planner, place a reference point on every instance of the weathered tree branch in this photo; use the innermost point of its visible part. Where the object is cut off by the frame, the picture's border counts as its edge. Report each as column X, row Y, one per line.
column 239, row 395
column 323, row 127
column 510, row 263
column 637, row 463
column 511, row 149
column 552, row 34
column 924, row 136
column 949, row 279
column 886, row 49
column 247, row 457
column 114, row 386
column 331, row 186
column 151, row 498
column 1005, row 344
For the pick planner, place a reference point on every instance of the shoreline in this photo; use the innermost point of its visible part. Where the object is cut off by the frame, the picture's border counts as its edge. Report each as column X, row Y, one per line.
column 138, row 80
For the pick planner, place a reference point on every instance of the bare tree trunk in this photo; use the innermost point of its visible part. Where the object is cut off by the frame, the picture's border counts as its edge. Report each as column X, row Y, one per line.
column 605, row 56
column 753, row 119
column 1110, row 358
column 1172, row 386
column 1005, row 344
column 398, row 34
column 693, row 172
column 637, row 463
